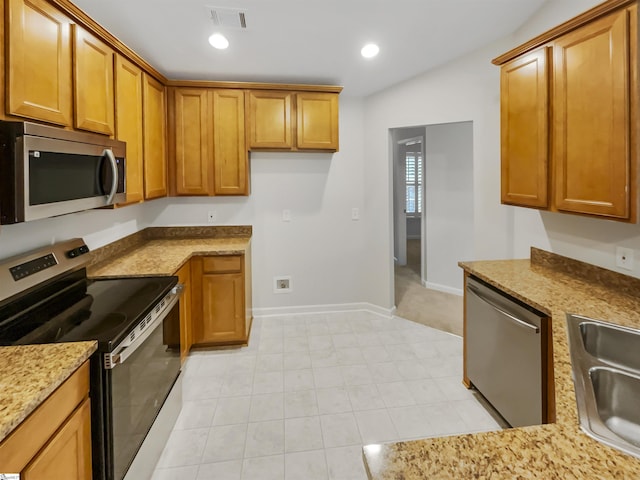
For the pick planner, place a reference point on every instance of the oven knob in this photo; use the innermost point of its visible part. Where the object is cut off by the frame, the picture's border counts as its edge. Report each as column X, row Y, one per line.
column 78, row 251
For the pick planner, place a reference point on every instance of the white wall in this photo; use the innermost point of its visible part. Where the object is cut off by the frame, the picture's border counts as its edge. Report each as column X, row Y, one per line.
column 467, row 89
column 321, row 248
column 449, row 203
column 97, row 227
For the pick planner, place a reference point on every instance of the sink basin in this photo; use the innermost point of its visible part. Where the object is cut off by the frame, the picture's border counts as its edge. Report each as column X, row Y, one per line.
column 610, row 343
column 605, row 359
column 616, row 395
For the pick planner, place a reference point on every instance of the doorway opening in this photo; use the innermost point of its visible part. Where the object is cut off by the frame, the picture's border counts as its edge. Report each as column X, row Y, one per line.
column 411, row 155
column 432, row 221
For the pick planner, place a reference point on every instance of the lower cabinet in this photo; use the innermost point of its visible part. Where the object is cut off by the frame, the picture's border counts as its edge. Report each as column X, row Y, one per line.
column 68, row 453
column 219, row 300
column 54, row 442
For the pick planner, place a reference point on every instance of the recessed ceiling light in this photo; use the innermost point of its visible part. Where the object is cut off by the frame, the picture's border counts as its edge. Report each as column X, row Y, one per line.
column 219, row 41
column 370, row 50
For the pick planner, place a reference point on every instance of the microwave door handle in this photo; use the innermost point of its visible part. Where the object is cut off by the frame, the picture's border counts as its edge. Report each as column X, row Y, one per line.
column 114, row 175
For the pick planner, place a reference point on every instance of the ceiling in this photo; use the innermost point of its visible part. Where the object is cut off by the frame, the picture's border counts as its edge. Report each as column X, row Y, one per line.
column 309, row 41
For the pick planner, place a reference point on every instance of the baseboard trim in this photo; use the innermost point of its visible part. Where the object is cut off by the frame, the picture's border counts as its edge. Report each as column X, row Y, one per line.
column 442, row 288
column 328, row 308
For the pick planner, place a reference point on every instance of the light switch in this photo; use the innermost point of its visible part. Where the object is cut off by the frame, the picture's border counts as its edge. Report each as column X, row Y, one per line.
column 286, row 215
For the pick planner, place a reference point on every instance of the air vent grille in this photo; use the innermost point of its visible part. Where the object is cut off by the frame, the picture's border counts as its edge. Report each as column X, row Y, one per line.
column 228, row 17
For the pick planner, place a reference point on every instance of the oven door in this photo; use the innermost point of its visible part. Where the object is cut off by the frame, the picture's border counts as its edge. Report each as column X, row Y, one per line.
column 62, row 176
column 135, row 390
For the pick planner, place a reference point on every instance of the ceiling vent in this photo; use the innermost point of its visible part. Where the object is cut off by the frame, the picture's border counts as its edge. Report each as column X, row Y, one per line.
column 228, row 17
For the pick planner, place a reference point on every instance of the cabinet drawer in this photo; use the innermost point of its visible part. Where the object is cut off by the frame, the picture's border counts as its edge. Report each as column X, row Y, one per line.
column 222, row 264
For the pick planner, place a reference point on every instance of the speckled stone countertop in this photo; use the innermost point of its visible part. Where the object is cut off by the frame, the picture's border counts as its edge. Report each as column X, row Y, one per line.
column 165, row 256
column 556, row 286
column 163, row 250
column 30, row 373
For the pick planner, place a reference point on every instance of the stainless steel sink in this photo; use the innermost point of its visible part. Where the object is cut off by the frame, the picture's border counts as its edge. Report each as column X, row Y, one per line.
column 616, row 395
column 613, row 344
column 605, row 359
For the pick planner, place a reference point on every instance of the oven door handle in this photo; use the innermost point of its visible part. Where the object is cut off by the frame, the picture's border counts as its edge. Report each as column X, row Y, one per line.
column 126, row 348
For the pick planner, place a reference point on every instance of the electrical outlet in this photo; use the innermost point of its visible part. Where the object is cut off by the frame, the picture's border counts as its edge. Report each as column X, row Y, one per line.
column 355, row 214
column 282, row 284
column 211, row 216
column 624, row 258
column 286, row 215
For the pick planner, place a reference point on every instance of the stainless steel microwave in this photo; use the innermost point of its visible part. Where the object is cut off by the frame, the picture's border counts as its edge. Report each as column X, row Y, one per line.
column 48, row 171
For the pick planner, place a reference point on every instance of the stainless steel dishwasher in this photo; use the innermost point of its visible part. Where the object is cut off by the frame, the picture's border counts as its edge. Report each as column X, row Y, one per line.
column 505, row 353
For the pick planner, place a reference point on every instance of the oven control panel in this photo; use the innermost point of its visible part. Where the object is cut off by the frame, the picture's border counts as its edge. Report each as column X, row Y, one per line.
column 23, row 272
column 34, row 266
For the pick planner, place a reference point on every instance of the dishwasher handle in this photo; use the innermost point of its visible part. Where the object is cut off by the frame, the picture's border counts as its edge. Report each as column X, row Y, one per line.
column 475, row 292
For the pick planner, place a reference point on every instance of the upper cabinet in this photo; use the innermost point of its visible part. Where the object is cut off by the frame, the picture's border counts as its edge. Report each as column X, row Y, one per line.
column 524, row 112
column 208, row 154
column 569, row 101
column 283, row 120
column 154, row 134
column 93, row 76
column 230, row 156
column 183, row 137
column 192, row 153
column 317, row 121
column 128, row 78
column 591, row 122
column 269, row 119
column 38, row 67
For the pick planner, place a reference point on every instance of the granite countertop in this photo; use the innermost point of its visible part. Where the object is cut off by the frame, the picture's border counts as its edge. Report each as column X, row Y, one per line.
column 558, row 450
column 165, row 256
column 30, row 373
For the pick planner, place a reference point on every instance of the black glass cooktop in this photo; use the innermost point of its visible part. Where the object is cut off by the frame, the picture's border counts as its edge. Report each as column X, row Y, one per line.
column 73, row 308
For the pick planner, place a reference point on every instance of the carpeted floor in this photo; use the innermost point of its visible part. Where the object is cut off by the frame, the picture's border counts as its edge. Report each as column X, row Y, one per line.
column 429, row 307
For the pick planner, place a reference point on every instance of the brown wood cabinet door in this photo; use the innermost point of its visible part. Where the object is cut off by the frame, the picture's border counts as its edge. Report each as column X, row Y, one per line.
column 184, row 277
column 193, row 142
column 591, row 128
column 93, row 77
column 68, row 454
column 269, row 118
column 231, row 161
column 317, row 121
column 218, row 300
column 222, row 308
column 524, row 117
column 155, row 134
column 38, row 62
column 129, row 124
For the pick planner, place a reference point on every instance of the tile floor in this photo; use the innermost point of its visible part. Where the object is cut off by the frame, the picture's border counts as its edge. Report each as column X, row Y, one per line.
column 309, row 391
